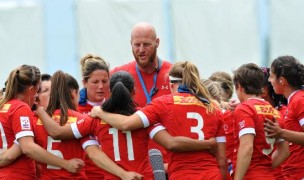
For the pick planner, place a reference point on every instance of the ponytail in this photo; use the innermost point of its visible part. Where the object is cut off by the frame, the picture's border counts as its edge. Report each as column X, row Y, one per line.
column 121, row 99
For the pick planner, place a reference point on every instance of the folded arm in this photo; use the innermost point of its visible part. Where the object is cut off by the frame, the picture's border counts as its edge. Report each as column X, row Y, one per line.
column 280, row 154
column 103, row 161
column 53, row 128
column 118, row 121
column 182, row 144
column 8, row 156
column 34, row 151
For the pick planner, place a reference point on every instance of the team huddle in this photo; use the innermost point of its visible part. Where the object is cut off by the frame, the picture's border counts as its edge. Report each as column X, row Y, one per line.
column 53, row 129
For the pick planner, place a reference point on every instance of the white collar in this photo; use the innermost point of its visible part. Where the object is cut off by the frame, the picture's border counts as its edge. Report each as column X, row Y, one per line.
column 96, row 103
column 291, row 96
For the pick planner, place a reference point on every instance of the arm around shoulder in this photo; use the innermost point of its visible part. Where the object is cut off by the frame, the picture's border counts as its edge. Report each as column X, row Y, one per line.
column 103, row 161
column 53, row 128
column 121, row 122
column 182, row 144
column 34, row 151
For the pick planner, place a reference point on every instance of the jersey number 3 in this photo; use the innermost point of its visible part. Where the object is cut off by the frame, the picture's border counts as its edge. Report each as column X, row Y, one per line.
column 3, row 137
column 200, row 124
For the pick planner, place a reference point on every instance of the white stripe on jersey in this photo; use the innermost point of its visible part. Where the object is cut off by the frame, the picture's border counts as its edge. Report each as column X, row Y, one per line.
column 89, row 143
column 23, row 134
column 301, row 121
column 220, row 139
column 143, row 118
column 156, row 130
column 75, row 130
column 246, row 131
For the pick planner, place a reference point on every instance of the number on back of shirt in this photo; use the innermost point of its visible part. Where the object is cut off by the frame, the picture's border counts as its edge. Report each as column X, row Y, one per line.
column 271, row 142
column 3, row 138
column 50, row 149
column 200, row 124
column 114, row 132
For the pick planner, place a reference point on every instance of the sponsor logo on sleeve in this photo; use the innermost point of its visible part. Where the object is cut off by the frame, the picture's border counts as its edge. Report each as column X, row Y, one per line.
column 93, row 137
column 25, row 123
column 242, row 124
column 225, row 127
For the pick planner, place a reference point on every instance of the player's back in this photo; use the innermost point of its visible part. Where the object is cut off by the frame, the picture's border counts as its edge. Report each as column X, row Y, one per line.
column 66, row 149
column 185, row 115
column 129, row 149
column 253, row 114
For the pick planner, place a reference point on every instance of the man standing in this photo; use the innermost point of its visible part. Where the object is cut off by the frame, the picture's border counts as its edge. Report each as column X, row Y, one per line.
column 148, row 70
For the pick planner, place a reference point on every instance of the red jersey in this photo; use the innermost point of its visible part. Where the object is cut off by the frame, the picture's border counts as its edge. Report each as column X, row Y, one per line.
column 283, row 112
column 16, row 122
column 84, row 109
column 162, row 81
column 162, row 84
column 228, row 118
column 184, row 115
column 294, row 121
column 127, row 148
column 278, row 171
column 249, row 119
column 92, row 171
column 66, row 149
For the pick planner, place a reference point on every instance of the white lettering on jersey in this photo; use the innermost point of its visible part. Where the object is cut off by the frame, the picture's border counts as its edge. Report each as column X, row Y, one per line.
column 80, row 121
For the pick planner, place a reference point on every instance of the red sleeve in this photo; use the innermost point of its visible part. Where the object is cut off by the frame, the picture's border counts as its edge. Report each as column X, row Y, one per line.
column 85, row 126
column 152, row 130
column 22, row 120
column 299, row 110
column 88, row 141
column 220, row 135
column 151, row 114
column 244, row 122
column 283, row 111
